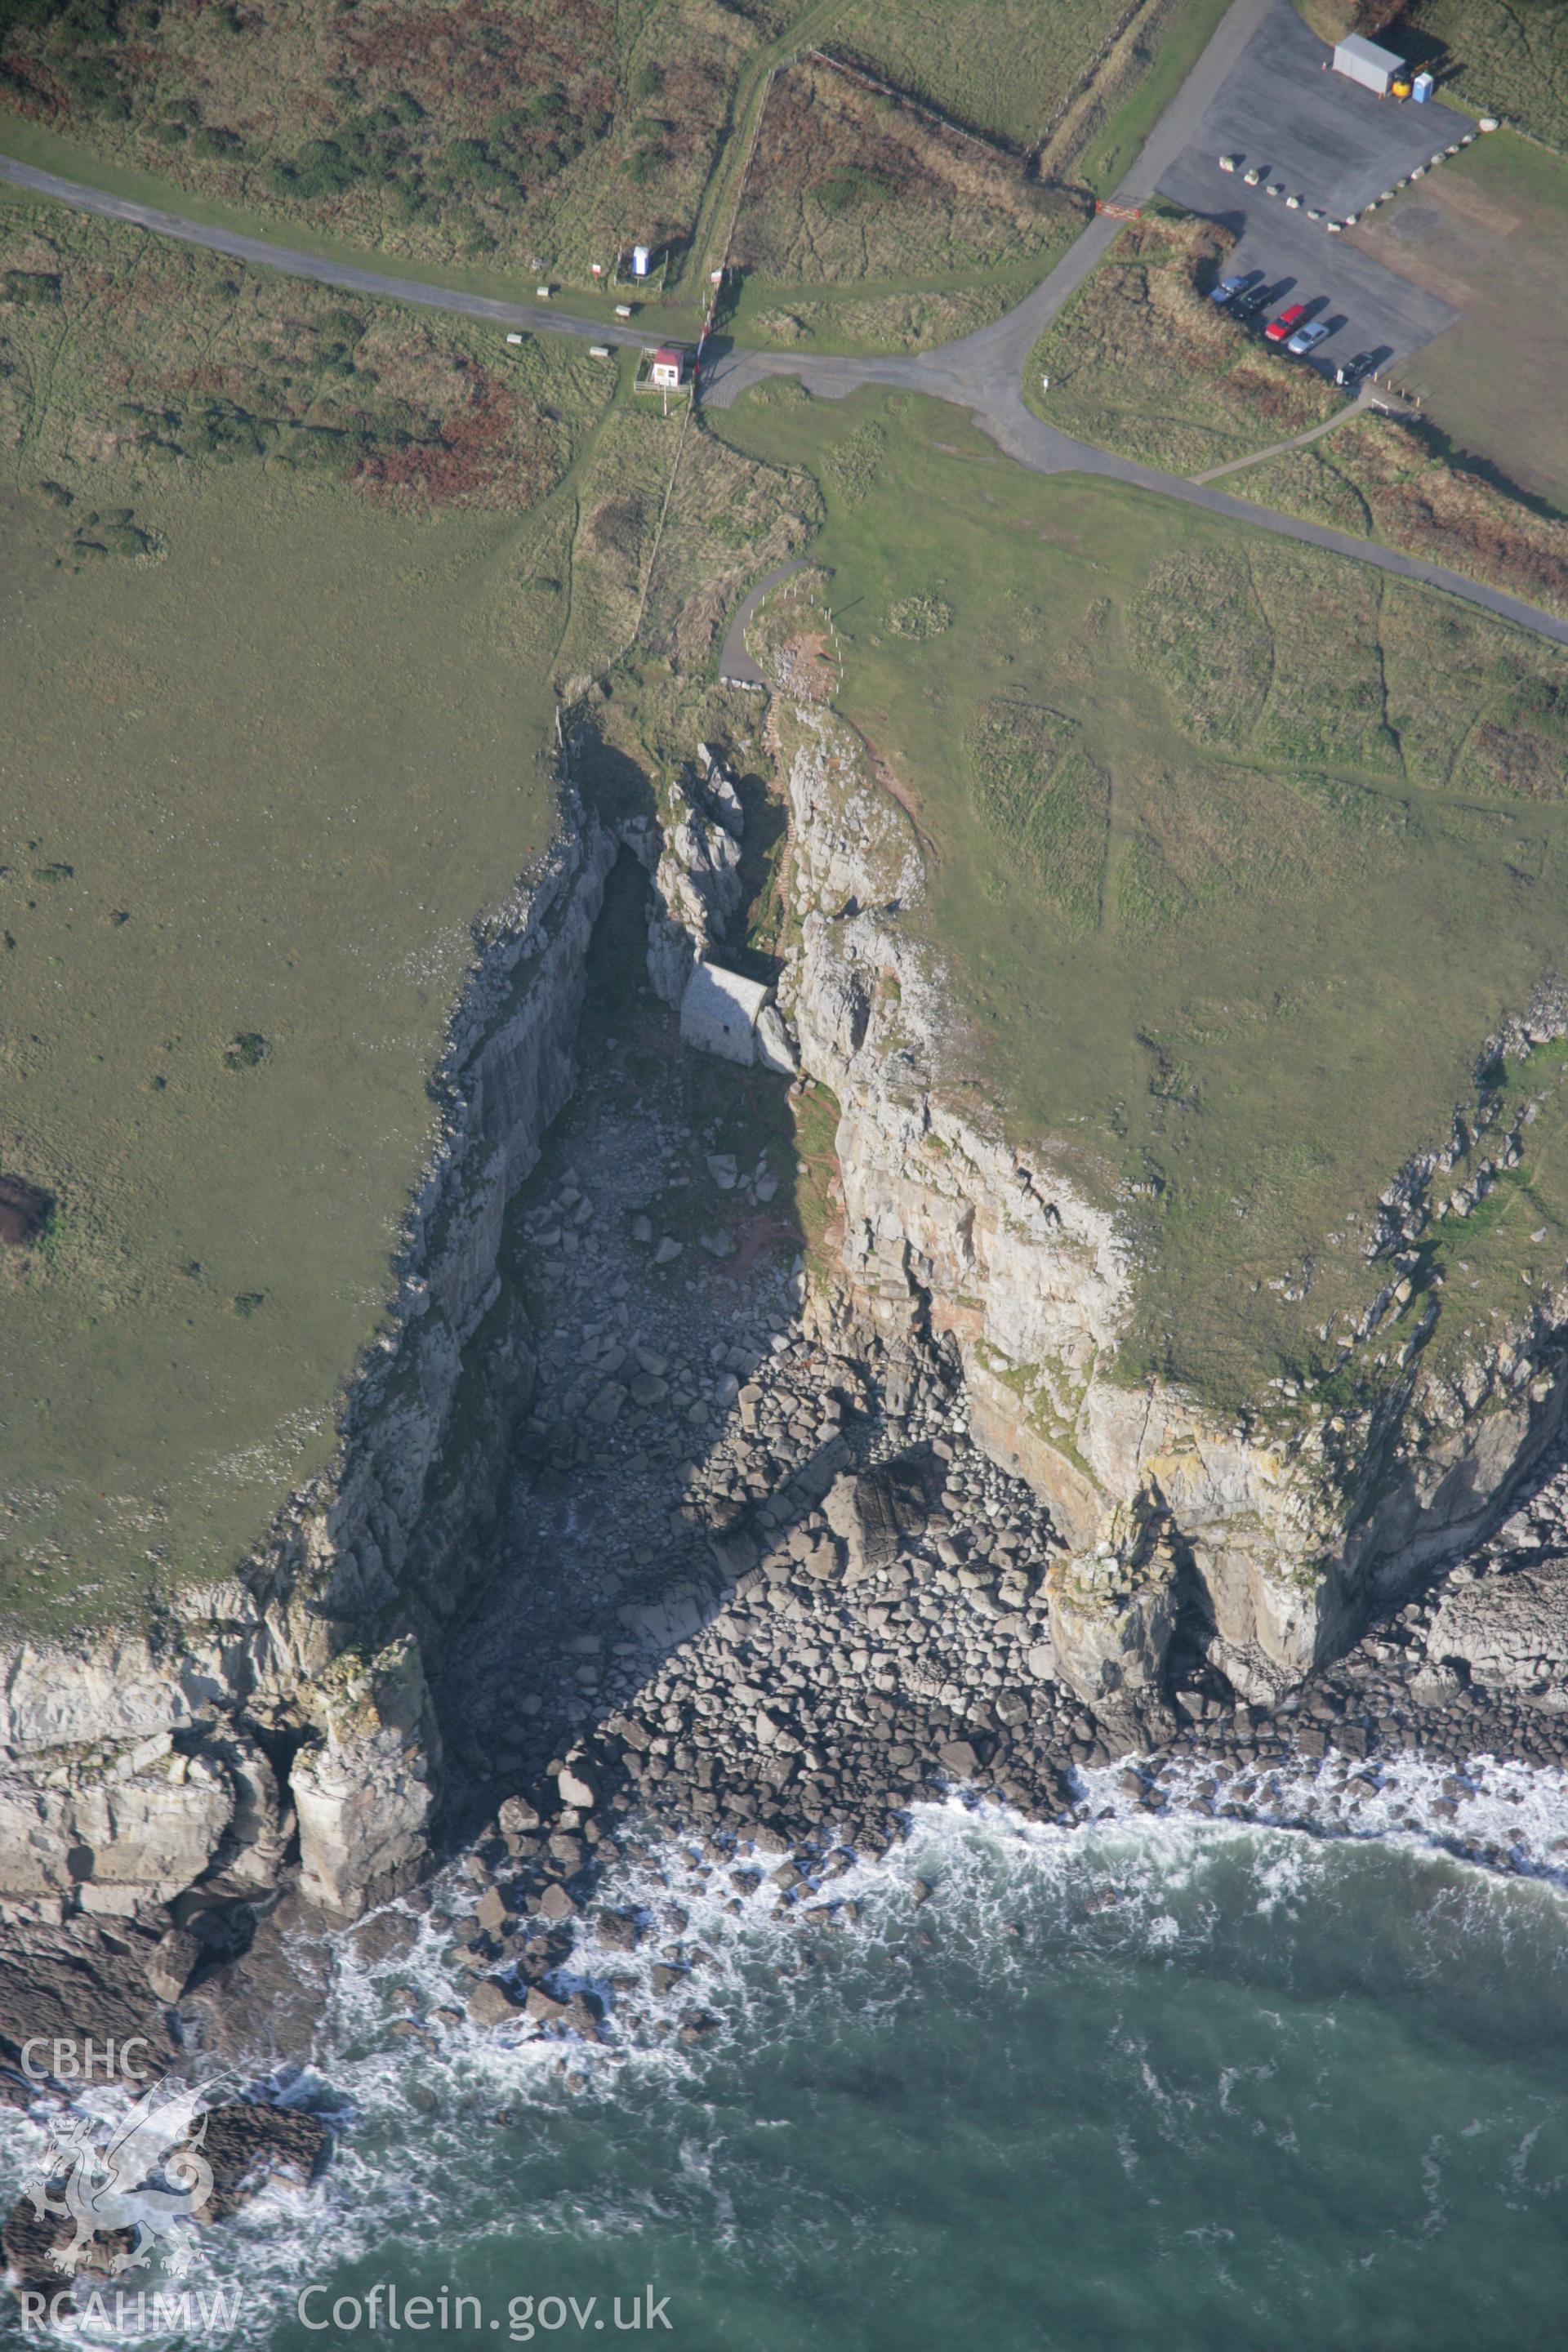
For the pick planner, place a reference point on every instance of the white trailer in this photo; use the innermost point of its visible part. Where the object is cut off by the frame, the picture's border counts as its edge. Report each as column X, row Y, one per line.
column 1361, row 61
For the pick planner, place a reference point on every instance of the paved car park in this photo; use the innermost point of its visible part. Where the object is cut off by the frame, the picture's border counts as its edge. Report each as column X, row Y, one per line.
column 1334, row 145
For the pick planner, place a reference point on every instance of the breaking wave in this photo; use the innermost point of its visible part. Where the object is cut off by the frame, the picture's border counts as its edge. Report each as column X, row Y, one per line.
column 1279, row 2058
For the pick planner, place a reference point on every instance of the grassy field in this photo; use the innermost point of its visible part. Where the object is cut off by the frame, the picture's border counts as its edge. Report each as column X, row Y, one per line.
column 727, row 520
column 1080, row 83
column 1101, row 135
column 1507, row 58
column 848, row 184
column 886, row 318
column 1237, row 861
column 663, row 311
column 1488, row 232
column 283, row 584
column 534, row 136
column 1005, row 66
column 1140, row 361
column 1378, row 476
column 488, row 147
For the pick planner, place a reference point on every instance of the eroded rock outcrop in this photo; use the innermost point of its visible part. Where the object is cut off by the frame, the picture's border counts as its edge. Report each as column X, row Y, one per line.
column 365, row 1789
column 693, row 855
column 1278, row 1530
column 135, row 1761
column 1507, row 1631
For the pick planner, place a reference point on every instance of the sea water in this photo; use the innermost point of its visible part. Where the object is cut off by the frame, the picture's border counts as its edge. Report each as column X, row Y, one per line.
column 1241, row 2086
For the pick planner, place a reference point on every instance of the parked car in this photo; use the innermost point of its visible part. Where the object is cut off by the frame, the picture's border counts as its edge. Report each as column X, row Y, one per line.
column 1248, row 306
column 1306, row 339
column 1229, row 287
column 1228, row 163
column 1350, row 372
column 1254, row 175
column 1286, row 323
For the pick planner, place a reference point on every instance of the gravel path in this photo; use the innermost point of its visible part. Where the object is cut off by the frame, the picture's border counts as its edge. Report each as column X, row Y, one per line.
column 1363, row 399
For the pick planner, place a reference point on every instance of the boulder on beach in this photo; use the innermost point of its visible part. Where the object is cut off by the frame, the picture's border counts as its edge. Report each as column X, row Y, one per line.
column 875, row 1512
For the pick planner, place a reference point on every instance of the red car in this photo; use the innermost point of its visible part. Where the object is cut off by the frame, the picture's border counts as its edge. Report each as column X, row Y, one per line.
column 1286, row 323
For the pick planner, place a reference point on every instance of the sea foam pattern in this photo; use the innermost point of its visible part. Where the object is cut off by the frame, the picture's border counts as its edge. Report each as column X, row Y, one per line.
column 621, row 2148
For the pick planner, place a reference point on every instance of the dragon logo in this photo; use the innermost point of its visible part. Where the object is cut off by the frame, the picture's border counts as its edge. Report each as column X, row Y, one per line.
column 148, row 2176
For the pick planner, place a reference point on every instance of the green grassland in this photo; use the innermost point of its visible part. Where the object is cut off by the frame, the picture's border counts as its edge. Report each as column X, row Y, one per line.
column 1237, row 859
column 1003, row 66
column 1489, row 233
column 887, row 317
column 1102, row 134
column 662, row 311
column 1080, row 83
column 281, row 590
column 663, row 552
column 1507, row 58
column 871, row 225
column 529, row 134
column 1390, row 480
column 1140, row 362
column 490, row 145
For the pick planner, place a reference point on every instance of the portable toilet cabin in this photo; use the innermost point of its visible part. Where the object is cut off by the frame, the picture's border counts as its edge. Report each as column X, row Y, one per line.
column 1361, row 61
column 640, row 259
column 1421, row 88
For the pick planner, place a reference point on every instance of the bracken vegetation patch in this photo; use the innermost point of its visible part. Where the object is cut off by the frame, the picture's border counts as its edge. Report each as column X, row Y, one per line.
column 451, row 130
column 1392, row 480
column 847, row 184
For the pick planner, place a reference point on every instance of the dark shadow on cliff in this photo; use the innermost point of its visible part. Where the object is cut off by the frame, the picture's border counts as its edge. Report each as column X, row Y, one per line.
column 613, row 784
column 660, row 1247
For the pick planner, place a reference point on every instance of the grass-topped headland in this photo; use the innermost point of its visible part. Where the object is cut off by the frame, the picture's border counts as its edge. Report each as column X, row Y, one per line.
column 283, row 584
column 1237, row 855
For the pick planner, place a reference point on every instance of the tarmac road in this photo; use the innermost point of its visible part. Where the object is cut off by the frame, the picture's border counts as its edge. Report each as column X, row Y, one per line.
column 981, row 373
column 266, row 255
column 736, row 666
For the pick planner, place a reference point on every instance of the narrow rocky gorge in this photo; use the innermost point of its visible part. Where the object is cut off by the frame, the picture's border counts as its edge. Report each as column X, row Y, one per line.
column 743, row 1458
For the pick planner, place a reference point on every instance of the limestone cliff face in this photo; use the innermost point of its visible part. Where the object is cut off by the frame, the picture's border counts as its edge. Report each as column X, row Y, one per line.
column 692, row 852
column 140, row 1763
column 1275, row 1533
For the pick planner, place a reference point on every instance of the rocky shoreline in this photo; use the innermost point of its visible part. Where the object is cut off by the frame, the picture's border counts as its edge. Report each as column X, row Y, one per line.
column 735, row 1747
column 861, row 1626
column 756, row 1585
column 824, row 1602
column 753, row 1583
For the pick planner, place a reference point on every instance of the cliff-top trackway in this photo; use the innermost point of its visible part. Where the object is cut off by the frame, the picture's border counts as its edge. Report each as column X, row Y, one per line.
column 982, row 372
